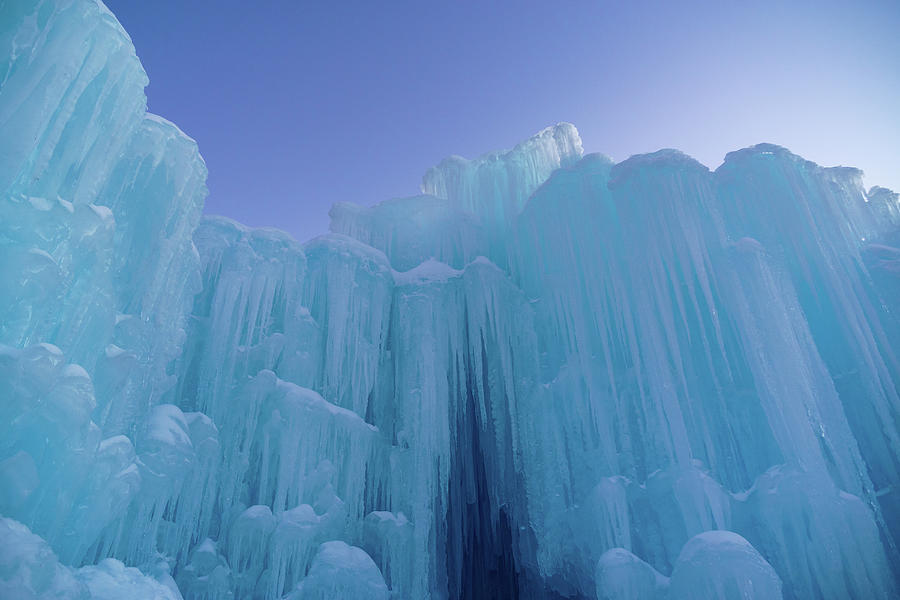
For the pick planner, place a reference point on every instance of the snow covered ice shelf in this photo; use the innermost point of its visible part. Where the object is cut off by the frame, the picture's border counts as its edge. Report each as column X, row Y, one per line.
column 549, row 375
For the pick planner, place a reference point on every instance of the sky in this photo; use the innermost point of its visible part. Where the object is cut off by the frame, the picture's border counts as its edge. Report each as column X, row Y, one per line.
column 297, row 105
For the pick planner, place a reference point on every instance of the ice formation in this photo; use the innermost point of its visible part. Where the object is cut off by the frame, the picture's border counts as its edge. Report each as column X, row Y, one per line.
column 548, row 376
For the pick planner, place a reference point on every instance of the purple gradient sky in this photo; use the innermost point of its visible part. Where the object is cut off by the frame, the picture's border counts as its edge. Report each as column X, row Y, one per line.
column 297, row 105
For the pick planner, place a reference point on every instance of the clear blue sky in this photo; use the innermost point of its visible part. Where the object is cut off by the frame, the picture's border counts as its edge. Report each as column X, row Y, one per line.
column 297, row 105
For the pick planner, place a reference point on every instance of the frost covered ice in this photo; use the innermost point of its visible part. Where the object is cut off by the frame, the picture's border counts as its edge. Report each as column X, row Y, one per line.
column 549, row 375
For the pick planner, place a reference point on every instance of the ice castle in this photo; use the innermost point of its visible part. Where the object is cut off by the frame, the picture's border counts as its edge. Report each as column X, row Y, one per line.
column 548, row 376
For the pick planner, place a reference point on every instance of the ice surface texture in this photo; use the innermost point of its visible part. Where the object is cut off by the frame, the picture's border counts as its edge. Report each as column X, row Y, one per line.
column 548, row 376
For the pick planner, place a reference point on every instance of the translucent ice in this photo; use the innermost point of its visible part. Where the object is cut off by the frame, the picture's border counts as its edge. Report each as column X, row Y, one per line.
column 550, row 375
column 29, row 569
column 722, row 564
column 341, row 571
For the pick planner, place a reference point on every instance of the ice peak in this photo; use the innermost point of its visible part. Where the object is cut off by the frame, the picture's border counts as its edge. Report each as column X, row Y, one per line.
column 562, row 138
column 659, row 161
column 496, row 185
column 765, row 152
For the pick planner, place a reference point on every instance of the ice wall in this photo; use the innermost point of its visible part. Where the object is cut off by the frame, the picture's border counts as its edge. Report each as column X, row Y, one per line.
column 550, row 375
column 99, row 204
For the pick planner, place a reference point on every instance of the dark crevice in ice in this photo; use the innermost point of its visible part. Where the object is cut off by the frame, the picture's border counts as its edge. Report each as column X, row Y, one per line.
column 480, row 561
